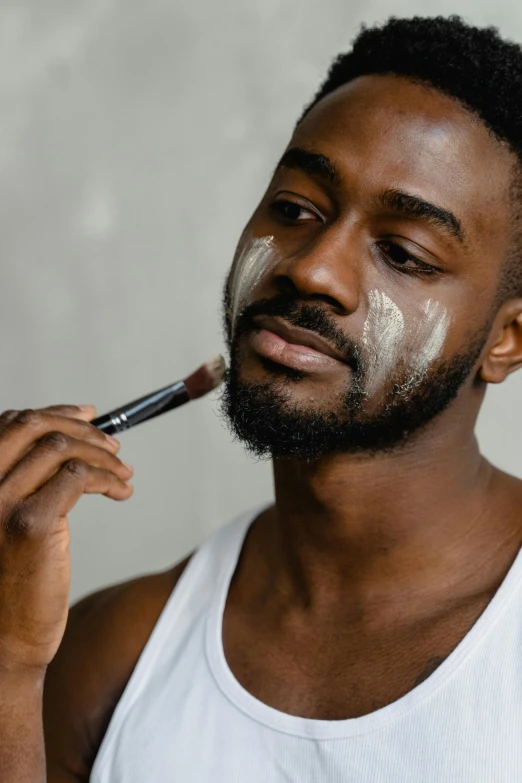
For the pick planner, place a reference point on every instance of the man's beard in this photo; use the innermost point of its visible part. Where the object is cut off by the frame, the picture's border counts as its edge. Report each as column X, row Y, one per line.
column 263, row 418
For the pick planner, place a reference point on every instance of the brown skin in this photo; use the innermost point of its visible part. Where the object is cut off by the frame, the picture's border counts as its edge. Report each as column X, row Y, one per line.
column 369, row 568
column 368, row 571
column 48, row 459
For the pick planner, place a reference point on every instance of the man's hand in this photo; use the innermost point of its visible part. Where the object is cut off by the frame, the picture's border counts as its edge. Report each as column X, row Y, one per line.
column 48, row 459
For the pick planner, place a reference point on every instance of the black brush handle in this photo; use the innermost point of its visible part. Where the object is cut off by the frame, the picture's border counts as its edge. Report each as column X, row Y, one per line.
column 143, row 409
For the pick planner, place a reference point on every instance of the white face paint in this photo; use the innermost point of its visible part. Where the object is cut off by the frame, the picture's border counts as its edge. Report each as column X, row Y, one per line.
column 255, row 258
column 382, row 336
column 432, row 330
column 387, row 339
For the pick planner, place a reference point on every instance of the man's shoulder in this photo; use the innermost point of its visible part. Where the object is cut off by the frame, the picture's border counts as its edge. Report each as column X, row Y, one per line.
column 136, row 601
column 105, row 636
column 509, row 489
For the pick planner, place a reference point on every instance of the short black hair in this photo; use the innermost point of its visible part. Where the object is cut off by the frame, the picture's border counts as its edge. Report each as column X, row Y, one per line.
column 472, row 65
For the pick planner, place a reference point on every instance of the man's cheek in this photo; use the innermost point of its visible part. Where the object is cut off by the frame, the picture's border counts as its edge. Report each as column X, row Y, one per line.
column 383, row 337
column 396, row 338
column 255, row 258
column 430, row 331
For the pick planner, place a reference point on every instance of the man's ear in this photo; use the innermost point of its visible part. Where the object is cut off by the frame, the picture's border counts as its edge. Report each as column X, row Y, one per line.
column 504, row 355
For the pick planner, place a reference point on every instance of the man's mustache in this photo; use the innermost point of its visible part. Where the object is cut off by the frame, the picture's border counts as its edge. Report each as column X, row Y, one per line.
column 306, row 315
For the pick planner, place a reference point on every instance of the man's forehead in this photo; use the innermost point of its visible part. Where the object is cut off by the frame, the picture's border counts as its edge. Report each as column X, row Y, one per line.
column 398, row 97
column 397, row 111
column 384, row 132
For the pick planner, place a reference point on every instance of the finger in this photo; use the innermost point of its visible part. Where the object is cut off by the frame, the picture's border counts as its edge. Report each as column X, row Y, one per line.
column 58, row 496
column 24, row 430
column 47, row 458
column 6, row 418
column 83, row 412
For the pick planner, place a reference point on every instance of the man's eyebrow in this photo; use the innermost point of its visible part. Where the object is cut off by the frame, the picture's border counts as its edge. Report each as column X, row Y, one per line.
column 417, row 208
column 311, row 163
column 406, row 204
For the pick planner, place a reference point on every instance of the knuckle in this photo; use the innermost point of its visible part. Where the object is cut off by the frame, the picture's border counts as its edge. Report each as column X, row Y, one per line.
column 28, row 418
column 8, row 416
column 76, row 468
column 87, row 429
column 57, row 441
column 19, row 523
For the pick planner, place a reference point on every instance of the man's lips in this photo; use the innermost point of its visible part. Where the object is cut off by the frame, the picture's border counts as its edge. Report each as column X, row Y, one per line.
column 298, row 348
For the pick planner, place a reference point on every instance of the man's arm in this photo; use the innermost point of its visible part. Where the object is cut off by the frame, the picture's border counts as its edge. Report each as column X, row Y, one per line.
column 21, row 747
column 48, row 459
column 105, row 635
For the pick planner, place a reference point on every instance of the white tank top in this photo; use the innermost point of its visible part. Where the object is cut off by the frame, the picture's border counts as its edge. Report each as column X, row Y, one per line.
column 184, row 718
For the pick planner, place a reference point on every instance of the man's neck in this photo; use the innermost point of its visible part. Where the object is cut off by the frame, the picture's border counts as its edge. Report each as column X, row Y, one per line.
column 423, row 518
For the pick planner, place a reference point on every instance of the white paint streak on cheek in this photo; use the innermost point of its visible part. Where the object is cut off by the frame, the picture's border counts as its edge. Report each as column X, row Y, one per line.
column 255, row 258
column 432, row 331
column 382, row 336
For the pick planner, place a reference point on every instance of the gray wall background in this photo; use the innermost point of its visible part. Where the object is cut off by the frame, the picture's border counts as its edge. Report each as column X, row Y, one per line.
column 135, row 140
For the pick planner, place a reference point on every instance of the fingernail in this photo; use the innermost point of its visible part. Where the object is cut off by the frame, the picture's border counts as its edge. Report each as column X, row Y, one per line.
column 87, row 407
column 112, row 440
column 126, row 465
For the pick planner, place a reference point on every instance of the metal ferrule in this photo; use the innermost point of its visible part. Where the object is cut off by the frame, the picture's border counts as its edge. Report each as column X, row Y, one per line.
column 120, row 422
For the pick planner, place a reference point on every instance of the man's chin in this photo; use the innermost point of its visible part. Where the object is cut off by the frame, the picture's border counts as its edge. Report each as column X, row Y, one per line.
column 278, row 416
column 268, row 386
column 278, row 411
column 275, row 418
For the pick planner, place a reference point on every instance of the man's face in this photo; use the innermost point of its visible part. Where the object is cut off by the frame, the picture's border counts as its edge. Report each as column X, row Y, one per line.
column 363, row 288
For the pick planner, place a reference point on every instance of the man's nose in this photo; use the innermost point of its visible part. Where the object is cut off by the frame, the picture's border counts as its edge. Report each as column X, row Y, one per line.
column 327, row 268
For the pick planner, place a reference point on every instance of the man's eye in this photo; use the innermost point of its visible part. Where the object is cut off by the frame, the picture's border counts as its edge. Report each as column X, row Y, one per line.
column 402, row 259
column 292, row 212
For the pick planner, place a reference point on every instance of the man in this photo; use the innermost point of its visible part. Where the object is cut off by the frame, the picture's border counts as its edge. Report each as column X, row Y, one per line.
column 368, row 626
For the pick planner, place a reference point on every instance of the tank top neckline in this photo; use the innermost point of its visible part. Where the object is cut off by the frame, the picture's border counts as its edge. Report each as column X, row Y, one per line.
column 313, row 728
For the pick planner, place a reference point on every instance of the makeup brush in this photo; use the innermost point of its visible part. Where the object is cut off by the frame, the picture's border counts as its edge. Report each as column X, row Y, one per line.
column 202, row 381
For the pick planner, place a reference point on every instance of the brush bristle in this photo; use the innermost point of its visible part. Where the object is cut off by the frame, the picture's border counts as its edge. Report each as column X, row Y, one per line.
column 206, row 378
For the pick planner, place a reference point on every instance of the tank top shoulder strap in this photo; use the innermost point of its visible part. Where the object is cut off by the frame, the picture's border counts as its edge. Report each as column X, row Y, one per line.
column 204, row 574
column 217, row 554
column 206, row 570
